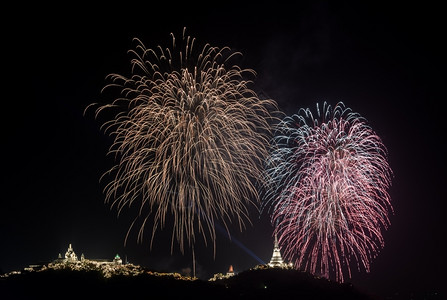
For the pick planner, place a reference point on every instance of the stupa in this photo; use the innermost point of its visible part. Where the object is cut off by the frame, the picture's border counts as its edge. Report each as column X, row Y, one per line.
column 276, row 261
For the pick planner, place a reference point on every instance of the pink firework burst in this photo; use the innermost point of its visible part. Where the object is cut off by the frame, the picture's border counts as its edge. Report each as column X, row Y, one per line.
column 328, row 179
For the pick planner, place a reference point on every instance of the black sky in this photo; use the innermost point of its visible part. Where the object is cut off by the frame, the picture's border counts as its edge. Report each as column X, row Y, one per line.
column 384, row 61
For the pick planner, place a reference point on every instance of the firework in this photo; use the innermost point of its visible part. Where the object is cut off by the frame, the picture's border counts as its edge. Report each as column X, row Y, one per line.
column 189, row 140
column 328, row 178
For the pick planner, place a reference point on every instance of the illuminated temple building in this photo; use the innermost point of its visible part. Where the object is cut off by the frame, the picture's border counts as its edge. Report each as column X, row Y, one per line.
column 71, row 260
column 71, row 257
column 276, row 261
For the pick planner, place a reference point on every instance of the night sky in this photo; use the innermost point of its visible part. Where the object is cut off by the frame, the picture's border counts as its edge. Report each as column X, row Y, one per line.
column 385, row 62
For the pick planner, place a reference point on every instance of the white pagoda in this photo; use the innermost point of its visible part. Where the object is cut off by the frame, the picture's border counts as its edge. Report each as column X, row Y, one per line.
column 276, row 260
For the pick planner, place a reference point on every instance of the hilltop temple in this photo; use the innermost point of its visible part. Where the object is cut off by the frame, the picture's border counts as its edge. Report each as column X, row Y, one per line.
column 71, row 257
column 276, row 261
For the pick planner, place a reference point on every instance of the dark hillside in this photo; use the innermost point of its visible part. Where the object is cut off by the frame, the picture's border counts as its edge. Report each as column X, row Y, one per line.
column 276, row 283
column 253, row 284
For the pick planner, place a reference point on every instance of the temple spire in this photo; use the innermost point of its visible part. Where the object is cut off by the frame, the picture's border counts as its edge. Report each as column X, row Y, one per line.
column 276, row 260
column 230, row 271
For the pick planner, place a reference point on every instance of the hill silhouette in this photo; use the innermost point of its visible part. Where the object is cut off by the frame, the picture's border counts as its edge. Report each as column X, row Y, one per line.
column 252, row 284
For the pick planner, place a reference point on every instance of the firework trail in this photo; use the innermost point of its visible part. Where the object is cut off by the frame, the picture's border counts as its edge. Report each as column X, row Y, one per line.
column 189, row 138
column 328, row 178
